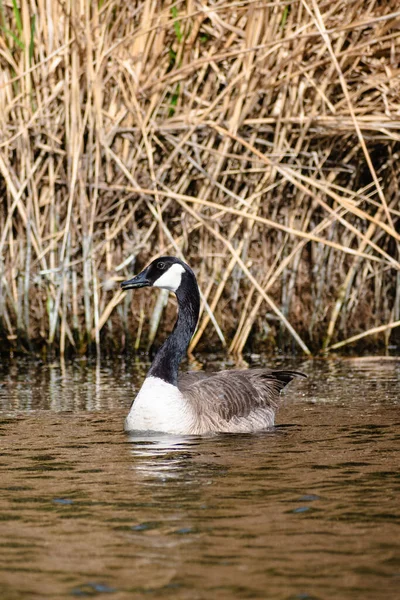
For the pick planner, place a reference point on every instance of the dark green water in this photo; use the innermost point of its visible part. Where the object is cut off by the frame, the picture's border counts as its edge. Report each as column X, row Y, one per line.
column 309, row 511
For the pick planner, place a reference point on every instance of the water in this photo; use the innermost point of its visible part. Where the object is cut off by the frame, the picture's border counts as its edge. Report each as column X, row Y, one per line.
column 308, row 511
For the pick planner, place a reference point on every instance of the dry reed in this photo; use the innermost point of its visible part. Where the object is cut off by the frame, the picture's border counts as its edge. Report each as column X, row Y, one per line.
column 257, row 139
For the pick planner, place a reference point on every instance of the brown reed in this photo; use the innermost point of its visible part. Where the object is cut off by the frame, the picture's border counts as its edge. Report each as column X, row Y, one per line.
column 257, row 139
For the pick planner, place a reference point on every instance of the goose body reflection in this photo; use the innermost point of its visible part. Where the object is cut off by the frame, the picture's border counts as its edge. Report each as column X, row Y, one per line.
column 232, row 401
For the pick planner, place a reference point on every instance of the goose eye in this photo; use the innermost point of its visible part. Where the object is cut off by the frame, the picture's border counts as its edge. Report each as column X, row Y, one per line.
column 161, row 266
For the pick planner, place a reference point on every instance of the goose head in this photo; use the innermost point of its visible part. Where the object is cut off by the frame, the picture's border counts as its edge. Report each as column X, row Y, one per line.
column 167, row 272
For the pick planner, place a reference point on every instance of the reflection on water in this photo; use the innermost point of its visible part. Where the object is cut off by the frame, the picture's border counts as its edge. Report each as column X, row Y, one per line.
column 310, row 510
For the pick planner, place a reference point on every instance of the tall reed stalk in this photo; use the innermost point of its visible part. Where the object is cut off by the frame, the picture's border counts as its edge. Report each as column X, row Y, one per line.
column 257, row 139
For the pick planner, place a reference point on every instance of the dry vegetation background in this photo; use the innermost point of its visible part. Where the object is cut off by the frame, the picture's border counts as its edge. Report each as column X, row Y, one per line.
column 259, row 140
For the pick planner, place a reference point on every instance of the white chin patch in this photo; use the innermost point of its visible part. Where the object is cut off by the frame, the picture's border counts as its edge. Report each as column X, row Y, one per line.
column 171, row 279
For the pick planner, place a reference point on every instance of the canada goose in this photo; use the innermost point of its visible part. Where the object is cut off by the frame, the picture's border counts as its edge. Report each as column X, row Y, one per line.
column 197, row 403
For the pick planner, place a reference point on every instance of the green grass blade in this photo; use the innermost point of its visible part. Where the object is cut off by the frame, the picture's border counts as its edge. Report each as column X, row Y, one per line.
column 177, row 25
column 174, row 101
column 2, row 15
column 32, row 40
column 284, row 16
column 14, row 37
column 17, row 16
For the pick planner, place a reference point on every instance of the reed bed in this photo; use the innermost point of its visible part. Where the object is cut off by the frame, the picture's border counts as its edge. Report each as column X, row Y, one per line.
column 257, row 139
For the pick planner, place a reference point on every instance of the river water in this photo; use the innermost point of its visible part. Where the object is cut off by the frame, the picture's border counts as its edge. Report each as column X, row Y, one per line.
column 308, row 511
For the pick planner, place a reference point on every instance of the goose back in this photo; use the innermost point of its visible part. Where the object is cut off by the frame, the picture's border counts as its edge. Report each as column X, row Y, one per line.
column 236, row 400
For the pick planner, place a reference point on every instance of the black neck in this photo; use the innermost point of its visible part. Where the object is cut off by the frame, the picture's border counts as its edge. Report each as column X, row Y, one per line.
column 167, row 360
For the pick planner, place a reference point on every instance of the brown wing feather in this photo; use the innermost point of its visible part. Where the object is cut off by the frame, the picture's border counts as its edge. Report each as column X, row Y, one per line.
column 186, row 380
column 234, row 394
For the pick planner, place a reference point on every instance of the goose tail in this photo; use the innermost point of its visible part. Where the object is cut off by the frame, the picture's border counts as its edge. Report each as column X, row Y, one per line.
column 286, row 376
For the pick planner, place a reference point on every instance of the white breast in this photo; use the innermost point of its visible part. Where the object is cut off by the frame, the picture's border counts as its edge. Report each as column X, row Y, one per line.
column 160, row 406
